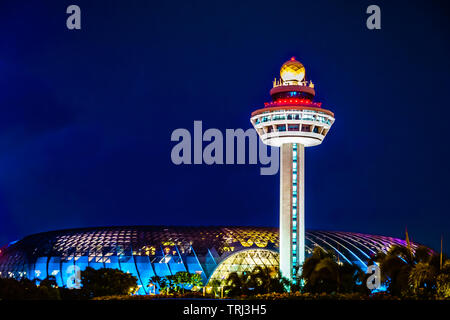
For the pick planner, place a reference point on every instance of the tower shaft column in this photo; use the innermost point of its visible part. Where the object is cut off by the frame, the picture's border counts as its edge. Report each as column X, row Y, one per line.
column 292, row 208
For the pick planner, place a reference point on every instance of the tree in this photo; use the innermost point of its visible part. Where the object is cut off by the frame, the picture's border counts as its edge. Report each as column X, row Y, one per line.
column 422, row 278
column 352, row 279
column 168, row 284
column 443, row 281
column 237, row 284
column 195, row 280
column 395, row 266
column 322, row 273
column 25, row 289
column 11, row 289
column 265, row 280
column 49, row 288
column 185, row 280
column 106, row 282
column 180, row 281
column 156, row 282
column 258, row 281
column 406, row 271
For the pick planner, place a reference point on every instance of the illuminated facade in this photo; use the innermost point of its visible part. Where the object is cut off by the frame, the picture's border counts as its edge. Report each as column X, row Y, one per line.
column 292, row 121
column 145, row 251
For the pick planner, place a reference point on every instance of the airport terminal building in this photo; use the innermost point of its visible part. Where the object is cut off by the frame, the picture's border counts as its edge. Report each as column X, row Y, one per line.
column 146, row 251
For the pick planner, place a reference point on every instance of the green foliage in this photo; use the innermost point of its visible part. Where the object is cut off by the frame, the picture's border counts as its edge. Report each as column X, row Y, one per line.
column 106, row 282
column 414, row 274
column 259, row 281
column 322, row 273
column 443, row 281
column 185, row 280
column 186, row 295
column 24, row 289
column 408, row 274
column 320, row 296
column 179, row 282
column 422, row 278
column 156, row 283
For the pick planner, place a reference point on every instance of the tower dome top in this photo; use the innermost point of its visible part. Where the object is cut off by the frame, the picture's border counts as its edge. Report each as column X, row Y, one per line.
column 292, row 70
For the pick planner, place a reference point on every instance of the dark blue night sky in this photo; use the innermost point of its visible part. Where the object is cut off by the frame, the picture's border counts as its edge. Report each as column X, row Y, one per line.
column 86, row 116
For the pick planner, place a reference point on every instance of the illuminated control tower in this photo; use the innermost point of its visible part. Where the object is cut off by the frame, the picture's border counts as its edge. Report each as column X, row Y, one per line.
column 292, row 121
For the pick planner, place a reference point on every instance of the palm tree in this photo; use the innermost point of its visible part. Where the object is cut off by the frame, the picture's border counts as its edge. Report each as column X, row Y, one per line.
column 163, row 284
column 183, row 279
column 195, row 280
column 422, row 278
column 260, row 280
column 406, row 271
column 169, row 284
column 155, row 282
column 265, row 280
column 322, row 273
column 395, row 266
column 443, row 281
column 237, row 284
column 352, row 279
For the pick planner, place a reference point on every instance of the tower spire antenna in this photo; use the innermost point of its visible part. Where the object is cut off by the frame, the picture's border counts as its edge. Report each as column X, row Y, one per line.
column 292, row 121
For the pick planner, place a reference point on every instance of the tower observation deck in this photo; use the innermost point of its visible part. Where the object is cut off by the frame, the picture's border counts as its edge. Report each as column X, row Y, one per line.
column 292, row 121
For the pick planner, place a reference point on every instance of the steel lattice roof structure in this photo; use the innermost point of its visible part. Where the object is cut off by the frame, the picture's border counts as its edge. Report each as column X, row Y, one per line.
column 145, row 251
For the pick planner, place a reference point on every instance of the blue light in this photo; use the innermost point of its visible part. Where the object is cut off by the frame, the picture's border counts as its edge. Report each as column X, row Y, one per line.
column 294, row 207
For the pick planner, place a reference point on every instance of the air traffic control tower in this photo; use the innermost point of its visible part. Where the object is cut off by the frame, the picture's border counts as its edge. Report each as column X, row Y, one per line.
column 292, row 121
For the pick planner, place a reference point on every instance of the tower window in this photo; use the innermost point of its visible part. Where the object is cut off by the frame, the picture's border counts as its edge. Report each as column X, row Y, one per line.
column 306, row 128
